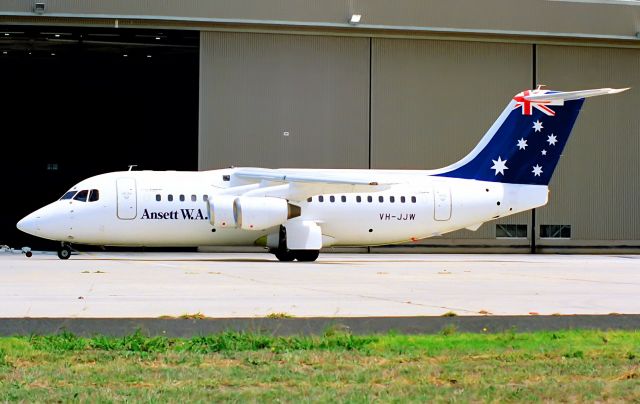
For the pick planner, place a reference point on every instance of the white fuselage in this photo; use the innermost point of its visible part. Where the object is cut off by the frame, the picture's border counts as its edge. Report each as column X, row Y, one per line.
column 156, row 208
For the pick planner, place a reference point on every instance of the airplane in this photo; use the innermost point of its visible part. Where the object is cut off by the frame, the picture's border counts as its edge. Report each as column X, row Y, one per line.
column 296, row 212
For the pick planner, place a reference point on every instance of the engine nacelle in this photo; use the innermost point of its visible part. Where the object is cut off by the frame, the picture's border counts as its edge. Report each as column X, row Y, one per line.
column 221, row 211
column 259, row 213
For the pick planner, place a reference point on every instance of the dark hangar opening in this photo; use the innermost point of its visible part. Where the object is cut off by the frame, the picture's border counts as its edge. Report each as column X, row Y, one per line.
column 77, row 102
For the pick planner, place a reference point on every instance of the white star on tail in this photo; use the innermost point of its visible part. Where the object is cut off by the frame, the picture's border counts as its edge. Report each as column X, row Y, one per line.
column 552, row 140
column 522, row 144
column 499, row 165
column 537, row 170
column 544, row 152
column 537, row 126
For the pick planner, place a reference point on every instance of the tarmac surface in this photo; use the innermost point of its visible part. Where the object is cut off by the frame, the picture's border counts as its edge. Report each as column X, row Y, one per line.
column 151, row 285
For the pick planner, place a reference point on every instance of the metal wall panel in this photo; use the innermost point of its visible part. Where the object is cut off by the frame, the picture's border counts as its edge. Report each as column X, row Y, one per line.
column 432, row 101
column 542, row 16
column 255, row 87
column 582, row 18
column 596, row 187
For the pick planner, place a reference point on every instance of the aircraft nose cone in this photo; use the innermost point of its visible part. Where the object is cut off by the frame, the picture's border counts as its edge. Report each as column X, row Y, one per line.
column 28, row 224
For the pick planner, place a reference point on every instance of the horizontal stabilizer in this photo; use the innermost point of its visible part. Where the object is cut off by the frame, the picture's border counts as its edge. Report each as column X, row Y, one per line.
column 573, row 95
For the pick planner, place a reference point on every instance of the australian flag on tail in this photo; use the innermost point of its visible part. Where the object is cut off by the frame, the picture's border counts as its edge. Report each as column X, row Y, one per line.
column 525, row 143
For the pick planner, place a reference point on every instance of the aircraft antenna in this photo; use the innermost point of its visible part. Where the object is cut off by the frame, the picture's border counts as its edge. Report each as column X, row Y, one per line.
column 131, row 167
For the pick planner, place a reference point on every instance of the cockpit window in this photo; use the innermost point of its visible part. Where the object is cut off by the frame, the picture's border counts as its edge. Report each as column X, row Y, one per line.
column 68, row 195
column 94, row 195
column 81, row 196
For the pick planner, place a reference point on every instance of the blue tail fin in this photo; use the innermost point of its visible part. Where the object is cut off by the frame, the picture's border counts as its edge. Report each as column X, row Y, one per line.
column 525, row 143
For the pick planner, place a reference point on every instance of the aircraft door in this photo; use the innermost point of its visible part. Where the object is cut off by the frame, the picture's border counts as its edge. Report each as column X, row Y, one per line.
column 127, row 198
column 441, row 203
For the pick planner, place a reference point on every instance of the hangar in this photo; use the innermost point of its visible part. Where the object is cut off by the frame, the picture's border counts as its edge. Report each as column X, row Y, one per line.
column 409, row 84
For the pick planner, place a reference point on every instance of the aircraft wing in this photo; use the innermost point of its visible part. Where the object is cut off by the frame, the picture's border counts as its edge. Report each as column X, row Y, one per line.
column 295, row 185
column 292, row 176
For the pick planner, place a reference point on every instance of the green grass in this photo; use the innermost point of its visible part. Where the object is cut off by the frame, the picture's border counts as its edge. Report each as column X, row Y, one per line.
column 279, row 315
column 544, row 366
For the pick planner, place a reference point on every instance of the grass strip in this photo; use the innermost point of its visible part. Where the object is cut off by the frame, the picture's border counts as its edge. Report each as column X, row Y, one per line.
column 577, row 365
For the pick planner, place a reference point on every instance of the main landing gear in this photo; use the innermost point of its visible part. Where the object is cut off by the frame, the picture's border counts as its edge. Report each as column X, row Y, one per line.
column 284, row 254
column 300, row 255
column 64, row 251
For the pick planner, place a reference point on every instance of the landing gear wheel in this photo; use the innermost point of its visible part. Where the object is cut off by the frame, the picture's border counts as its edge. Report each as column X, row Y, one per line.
column 28, row 254
column 306, row 255
column 64, row 252
column 284, row 255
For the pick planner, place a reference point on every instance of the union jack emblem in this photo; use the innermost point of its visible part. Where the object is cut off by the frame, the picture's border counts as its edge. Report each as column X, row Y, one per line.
column 527, row 105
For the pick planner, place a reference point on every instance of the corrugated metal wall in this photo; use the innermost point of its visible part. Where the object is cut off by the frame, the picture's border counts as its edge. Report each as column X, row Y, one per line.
column 596, row 188
column 255, row 87
column 432, row 101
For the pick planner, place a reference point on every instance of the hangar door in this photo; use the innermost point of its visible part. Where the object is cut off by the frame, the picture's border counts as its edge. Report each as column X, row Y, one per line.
column 283, row 101
column 127, row 198
column 599, row 168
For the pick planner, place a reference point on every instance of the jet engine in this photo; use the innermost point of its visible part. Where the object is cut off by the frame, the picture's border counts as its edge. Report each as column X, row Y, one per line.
column 259, row 213
column 221, row 211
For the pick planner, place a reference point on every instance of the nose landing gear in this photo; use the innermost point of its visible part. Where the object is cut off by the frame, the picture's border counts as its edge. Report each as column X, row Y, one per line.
column 27, row 252
column 64, row 251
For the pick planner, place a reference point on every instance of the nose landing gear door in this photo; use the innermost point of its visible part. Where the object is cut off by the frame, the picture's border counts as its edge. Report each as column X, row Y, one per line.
column 127, row 198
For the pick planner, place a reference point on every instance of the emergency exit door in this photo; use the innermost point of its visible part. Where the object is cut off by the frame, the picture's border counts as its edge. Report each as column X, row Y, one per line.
column 442, row 203
column 127, row 198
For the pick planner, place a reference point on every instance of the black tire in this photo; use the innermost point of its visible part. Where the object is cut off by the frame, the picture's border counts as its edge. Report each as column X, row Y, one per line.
column 64, row 253
column 28, row 254
column 306, row 255
column 284, row 255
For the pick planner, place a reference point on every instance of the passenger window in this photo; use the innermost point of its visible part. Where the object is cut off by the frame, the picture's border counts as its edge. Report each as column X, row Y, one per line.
column 194, row 198
column 170, row 198
column 381, row 199
column 392, row 199
column 68, row 195
column 413, row 199
column 94, row 195
column 309, row 199
column 369, row 199
column 332, row 198
column 358, row 199
column 343, row 198
column 321, row 198
column 158, row 197
column 181, row 198
column 82, row 196
column 402, row 199
column 205, row 198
